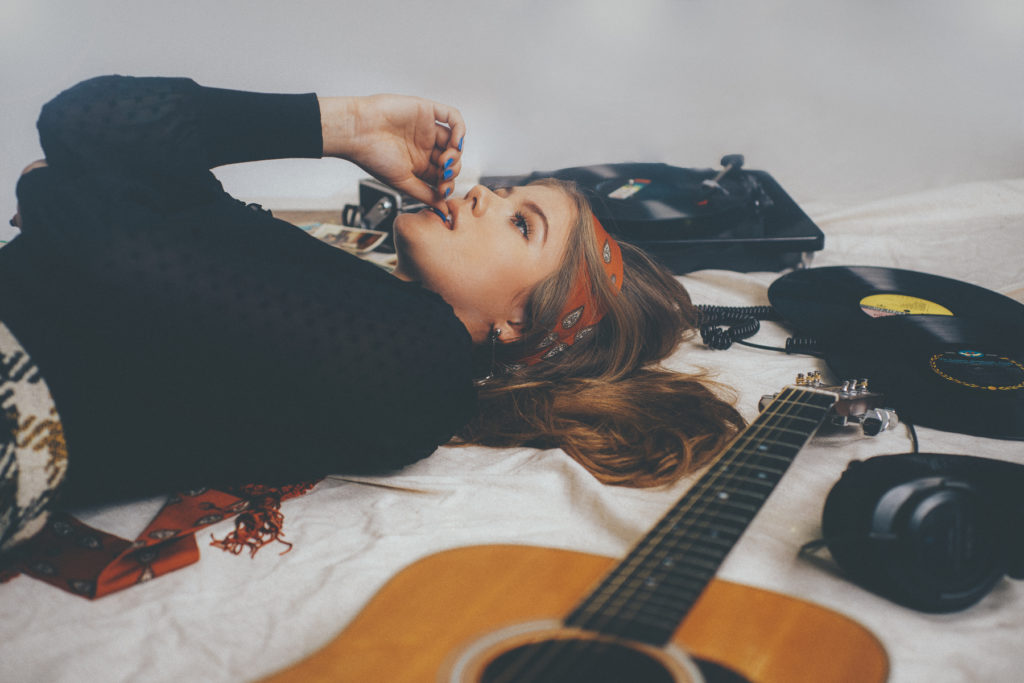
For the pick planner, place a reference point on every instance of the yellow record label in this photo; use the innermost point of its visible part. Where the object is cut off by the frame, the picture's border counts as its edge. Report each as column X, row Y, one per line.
column 883, row 305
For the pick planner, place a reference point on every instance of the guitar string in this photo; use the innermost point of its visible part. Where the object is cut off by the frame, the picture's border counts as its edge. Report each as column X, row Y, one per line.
column 689, row 540
column 709, row 511
column 707, row 496
column 609, row 589
column 654, row 540
column 616, row 593
column 630, row 608
column 698, row 505
column 571, row 656
column 744, row 457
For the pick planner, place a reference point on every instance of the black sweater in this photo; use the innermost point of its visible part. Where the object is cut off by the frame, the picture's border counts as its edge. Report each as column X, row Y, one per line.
column 191, row 340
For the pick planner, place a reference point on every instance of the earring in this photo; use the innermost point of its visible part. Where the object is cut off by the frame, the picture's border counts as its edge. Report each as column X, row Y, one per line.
column 493, row 336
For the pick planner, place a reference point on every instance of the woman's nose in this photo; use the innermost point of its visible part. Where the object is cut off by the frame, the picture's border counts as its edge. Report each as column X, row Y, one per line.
column 479, row 198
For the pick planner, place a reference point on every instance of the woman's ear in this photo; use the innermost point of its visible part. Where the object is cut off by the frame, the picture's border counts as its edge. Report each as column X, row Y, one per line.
column 511, row 331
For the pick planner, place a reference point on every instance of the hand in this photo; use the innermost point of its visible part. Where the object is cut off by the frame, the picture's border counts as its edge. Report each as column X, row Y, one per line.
column 409, row 143
column 15, row 221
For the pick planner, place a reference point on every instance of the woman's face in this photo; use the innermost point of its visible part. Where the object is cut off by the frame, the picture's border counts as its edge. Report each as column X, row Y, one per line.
column 486, row 261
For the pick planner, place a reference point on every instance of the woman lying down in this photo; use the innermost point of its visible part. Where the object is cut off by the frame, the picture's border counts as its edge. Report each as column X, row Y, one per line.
column 157, row 334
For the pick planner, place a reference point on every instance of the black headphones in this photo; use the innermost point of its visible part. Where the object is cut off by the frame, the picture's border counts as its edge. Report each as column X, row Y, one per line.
column 930, row 531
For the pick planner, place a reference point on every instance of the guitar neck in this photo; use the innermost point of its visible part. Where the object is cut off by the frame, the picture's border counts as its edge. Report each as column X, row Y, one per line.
column 651, row 591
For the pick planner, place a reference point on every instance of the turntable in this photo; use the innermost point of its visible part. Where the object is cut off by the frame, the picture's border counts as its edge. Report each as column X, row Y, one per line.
column 693, row 219
column 688, row 218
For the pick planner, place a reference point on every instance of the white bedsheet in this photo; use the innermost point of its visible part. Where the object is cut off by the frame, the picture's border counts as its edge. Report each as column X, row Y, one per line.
column 229, row 618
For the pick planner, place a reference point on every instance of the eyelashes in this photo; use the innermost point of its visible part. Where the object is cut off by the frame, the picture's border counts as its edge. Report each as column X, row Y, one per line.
column 518, row 219
column 521, row 224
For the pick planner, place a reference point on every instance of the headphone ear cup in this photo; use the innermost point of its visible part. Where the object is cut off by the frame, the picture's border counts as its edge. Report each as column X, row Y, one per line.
column 920, row 539
column 847, row 520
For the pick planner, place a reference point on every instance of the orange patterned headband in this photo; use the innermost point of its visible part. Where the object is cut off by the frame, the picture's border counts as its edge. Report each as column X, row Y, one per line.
column 580, row 315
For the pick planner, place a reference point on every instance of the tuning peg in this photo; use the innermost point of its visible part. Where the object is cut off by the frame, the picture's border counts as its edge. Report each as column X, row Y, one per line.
column 878, row 420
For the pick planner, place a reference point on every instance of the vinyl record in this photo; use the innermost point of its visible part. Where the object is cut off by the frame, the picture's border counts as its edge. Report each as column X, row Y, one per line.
column 939, row 371
column 825, row 302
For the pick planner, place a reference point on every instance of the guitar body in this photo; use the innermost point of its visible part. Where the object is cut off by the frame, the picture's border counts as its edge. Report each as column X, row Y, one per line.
column 432, row 616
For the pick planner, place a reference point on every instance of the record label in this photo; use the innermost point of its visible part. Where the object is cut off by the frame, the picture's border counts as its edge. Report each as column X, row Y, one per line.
column 629, row 189
column 881, row 305
column 979, row 370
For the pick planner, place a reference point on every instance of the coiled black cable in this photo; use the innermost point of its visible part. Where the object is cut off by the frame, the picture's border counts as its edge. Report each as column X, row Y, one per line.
column 743, row 323
column 722, row 338
column 716, row 315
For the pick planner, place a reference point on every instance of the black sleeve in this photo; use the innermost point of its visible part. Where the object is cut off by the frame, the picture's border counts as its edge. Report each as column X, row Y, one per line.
column 167, row 133
column 191, row 340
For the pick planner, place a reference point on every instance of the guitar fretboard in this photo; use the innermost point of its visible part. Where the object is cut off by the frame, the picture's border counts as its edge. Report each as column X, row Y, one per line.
column 651, row 591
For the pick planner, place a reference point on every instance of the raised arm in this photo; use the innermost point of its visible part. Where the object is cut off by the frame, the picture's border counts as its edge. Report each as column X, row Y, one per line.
column 172, row 131
column 173, row 125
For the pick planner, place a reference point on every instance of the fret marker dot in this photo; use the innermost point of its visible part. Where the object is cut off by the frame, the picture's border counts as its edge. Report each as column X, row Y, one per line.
column 762, row 447
column 651, row 583
column 723, row 496
column 667, row 562
column 761, row 475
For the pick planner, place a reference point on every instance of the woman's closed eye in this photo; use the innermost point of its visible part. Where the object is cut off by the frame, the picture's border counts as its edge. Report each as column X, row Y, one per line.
column 521, row 224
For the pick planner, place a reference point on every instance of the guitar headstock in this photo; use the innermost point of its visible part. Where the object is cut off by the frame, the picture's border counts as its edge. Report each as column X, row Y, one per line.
column 855, row 402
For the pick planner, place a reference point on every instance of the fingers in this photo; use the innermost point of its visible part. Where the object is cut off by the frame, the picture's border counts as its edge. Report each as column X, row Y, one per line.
column 410, row 143
column 426, row 193
column 452, row 118
column 420, row 190
column 450, row 136
column 449, row 165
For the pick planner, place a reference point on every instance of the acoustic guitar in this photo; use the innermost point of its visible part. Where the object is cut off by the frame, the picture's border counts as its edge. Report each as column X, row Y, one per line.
column 520, row 614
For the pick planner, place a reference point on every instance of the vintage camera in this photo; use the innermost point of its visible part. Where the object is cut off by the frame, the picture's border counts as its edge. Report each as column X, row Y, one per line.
column 379, row 204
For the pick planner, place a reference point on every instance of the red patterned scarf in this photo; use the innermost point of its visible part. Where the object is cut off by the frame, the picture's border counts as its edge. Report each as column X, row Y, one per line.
column 580, row 314
column 92, row 563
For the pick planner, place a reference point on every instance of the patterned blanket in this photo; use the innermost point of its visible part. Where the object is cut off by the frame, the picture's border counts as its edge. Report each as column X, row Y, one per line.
column 33, row 454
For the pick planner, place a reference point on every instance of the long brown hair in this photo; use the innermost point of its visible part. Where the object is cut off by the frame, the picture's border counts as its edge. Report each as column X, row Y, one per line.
column 605, row 400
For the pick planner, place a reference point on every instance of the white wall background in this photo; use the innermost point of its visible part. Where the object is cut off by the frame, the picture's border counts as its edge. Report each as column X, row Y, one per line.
column 843, row 99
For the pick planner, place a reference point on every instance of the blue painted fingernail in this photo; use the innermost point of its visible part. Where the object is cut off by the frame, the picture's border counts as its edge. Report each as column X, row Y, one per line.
column 448, row 174
column 449, row 162
column 447, row 192
column 440, row 214
column 460, row 142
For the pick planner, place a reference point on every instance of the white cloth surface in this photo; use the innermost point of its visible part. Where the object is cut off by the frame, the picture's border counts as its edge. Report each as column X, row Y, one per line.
column 230, row 618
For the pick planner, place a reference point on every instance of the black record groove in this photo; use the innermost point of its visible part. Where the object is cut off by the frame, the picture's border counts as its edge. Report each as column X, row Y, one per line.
column 939, row 372
column 826, row 302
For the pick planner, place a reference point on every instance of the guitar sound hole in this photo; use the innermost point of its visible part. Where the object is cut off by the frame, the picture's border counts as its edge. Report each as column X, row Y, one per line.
column 575, row 659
